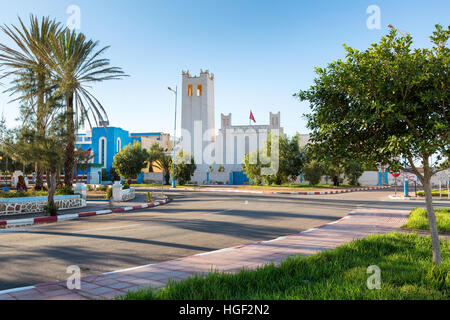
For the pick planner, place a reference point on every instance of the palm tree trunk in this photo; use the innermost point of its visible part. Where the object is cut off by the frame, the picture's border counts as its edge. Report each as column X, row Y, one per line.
column 40, row 127
column 70, row 147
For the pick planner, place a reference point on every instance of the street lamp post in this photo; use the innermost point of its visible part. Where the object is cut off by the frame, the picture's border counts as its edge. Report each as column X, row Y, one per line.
column 174, row 136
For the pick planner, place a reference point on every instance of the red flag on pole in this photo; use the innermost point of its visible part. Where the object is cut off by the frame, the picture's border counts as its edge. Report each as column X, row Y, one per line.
column 252, row 118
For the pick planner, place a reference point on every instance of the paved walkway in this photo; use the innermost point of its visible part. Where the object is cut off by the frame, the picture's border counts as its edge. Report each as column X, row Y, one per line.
column 357, row 224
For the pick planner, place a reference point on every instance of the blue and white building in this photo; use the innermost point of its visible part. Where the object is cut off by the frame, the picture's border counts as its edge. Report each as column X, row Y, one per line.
column 106, row 141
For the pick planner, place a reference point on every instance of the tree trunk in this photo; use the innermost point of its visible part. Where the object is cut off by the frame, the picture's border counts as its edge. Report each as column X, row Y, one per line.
column 51, row 181
column 70, row 147
column 39, row 178
column 430, row 213
column 40, row 127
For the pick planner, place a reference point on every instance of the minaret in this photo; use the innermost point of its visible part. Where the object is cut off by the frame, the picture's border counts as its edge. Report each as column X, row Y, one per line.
column 197, row 111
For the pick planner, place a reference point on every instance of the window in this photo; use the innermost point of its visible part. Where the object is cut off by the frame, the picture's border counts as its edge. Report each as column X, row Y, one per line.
column 119, row 145
column 190, row 90
column 102, row 151
column 199, row 90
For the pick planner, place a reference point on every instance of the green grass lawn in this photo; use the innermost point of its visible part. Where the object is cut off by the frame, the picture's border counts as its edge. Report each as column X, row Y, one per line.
column 404, row 259
column 435, row 193
column 418, row 219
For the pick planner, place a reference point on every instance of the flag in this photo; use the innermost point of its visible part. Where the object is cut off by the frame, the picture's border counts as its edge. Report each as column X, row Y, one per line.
column 252, row 118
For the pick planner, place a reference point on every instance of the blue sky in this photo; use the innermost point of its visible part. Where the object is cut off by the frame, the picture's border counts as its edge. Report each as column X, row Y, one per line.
column 261, row 52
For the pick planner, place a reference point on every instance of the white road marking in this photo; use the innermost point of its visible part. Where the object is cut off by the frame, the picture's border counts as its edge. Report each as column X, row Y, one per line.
column 217, row 212
column 104, row 229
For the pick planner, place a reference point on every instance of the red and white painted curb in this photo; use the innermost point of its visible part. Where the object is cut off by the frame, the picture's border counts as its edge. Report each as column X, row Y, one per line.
column 309, row 193
column 66, row 217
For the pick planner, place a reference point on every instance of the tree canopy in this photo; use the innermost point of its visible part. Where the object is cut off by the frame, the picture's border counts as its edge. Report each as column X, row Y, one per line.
column 385, row 103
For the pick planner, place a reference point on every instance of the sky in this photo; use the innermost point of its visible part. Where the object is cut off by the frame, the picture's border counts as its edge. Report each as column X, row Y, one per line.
column 261, row 52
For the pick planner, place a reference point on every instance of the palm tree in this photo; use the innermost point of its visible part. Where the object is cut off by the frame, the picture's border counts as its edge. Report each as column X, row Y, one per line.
column 30, row 72
column 154, row 154
column 75, row 63
column 164, row 163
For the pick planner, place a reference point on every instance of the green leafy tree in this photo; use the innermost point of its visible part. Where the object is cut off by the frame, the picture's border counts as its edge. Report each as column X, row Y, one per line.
column 385, row 103
column 353, row 170
column 184, row 167
column 252, row 167
column 130, row 161
column 83, row 160
column 221, row 169
column 312, row 172
column 289, row 156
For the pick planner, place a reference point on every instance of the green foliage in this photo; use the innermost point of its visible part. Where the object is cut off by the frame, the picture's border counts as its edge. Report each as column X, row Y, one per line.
column 312, row 172
column 51, row 208
column 125, row 186
column 62, row 191
column 155, row 154
column 104, row 175
column 339, row 274
column 22, row 194
column 384, row 102
column 288, row 161
column 418, row 219
column 130, row 161
column 164, row 163
column 114, row 176
column 221, row 169
column 109, row 192
column 184, row 168
column 149, row 197
column 252, row 167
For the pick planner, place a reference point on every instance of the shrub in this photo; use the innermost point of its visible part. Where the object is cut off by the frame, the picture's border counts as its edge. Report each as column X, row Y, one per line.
column 51, row 208
column 103, row 188
column 64, row 191
column 313, row 172
column 108, row 194
column 125, row 186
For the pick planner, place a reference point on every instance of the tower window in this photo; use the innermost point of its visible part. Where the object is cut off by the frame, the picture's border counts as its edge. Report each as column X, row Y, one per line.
column 199, row 90
column 190, row 90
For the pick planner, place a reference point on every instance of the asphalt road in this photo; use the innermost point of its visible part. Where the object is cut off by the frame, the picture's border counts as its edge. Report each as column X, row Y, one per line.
column 195, row 222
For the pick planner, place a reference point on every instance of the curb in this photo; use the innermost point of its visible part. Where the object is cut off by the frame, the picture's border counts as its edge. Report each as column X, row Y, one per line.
column 309, row 193
column 66, row 217
column 418, row 198
column 284, row 192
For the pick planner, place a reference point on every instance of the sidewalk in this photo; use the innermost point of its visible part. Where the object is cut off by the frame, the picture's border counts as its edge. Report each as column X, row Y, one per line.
column 357, row 224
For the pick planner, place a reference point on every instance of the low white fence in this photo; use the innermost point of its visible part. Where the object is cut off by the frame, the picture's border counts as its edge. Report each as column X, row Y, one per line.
column 14, row 206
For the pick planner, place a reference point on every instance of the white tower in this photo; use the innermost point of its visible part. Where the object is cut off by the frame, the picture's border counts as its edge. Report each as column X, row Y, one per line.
column 197, row 111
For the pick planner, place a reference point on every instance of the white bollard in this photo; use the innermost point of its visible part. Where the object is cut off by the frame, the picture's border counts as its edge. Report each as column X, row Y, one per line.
column 117, row 191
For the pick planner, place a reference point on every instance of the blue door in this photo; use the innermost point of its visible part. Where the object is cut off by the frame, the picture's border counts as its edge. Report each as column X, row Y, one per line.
column 239, row 178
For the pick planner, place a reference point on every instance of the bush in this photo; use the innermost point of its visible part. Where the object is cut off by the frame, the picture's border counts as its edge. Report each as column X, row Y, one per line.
column 125, row 186
column 62, row 191
column 103, row 188
column 312, row 172
column 108, row 194
column 51, row 208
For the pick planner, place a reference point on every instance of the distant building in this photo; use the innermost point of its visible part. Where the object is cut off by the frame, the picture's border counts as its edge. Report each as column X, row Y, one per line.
column 198, row 136
column 105, row 143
